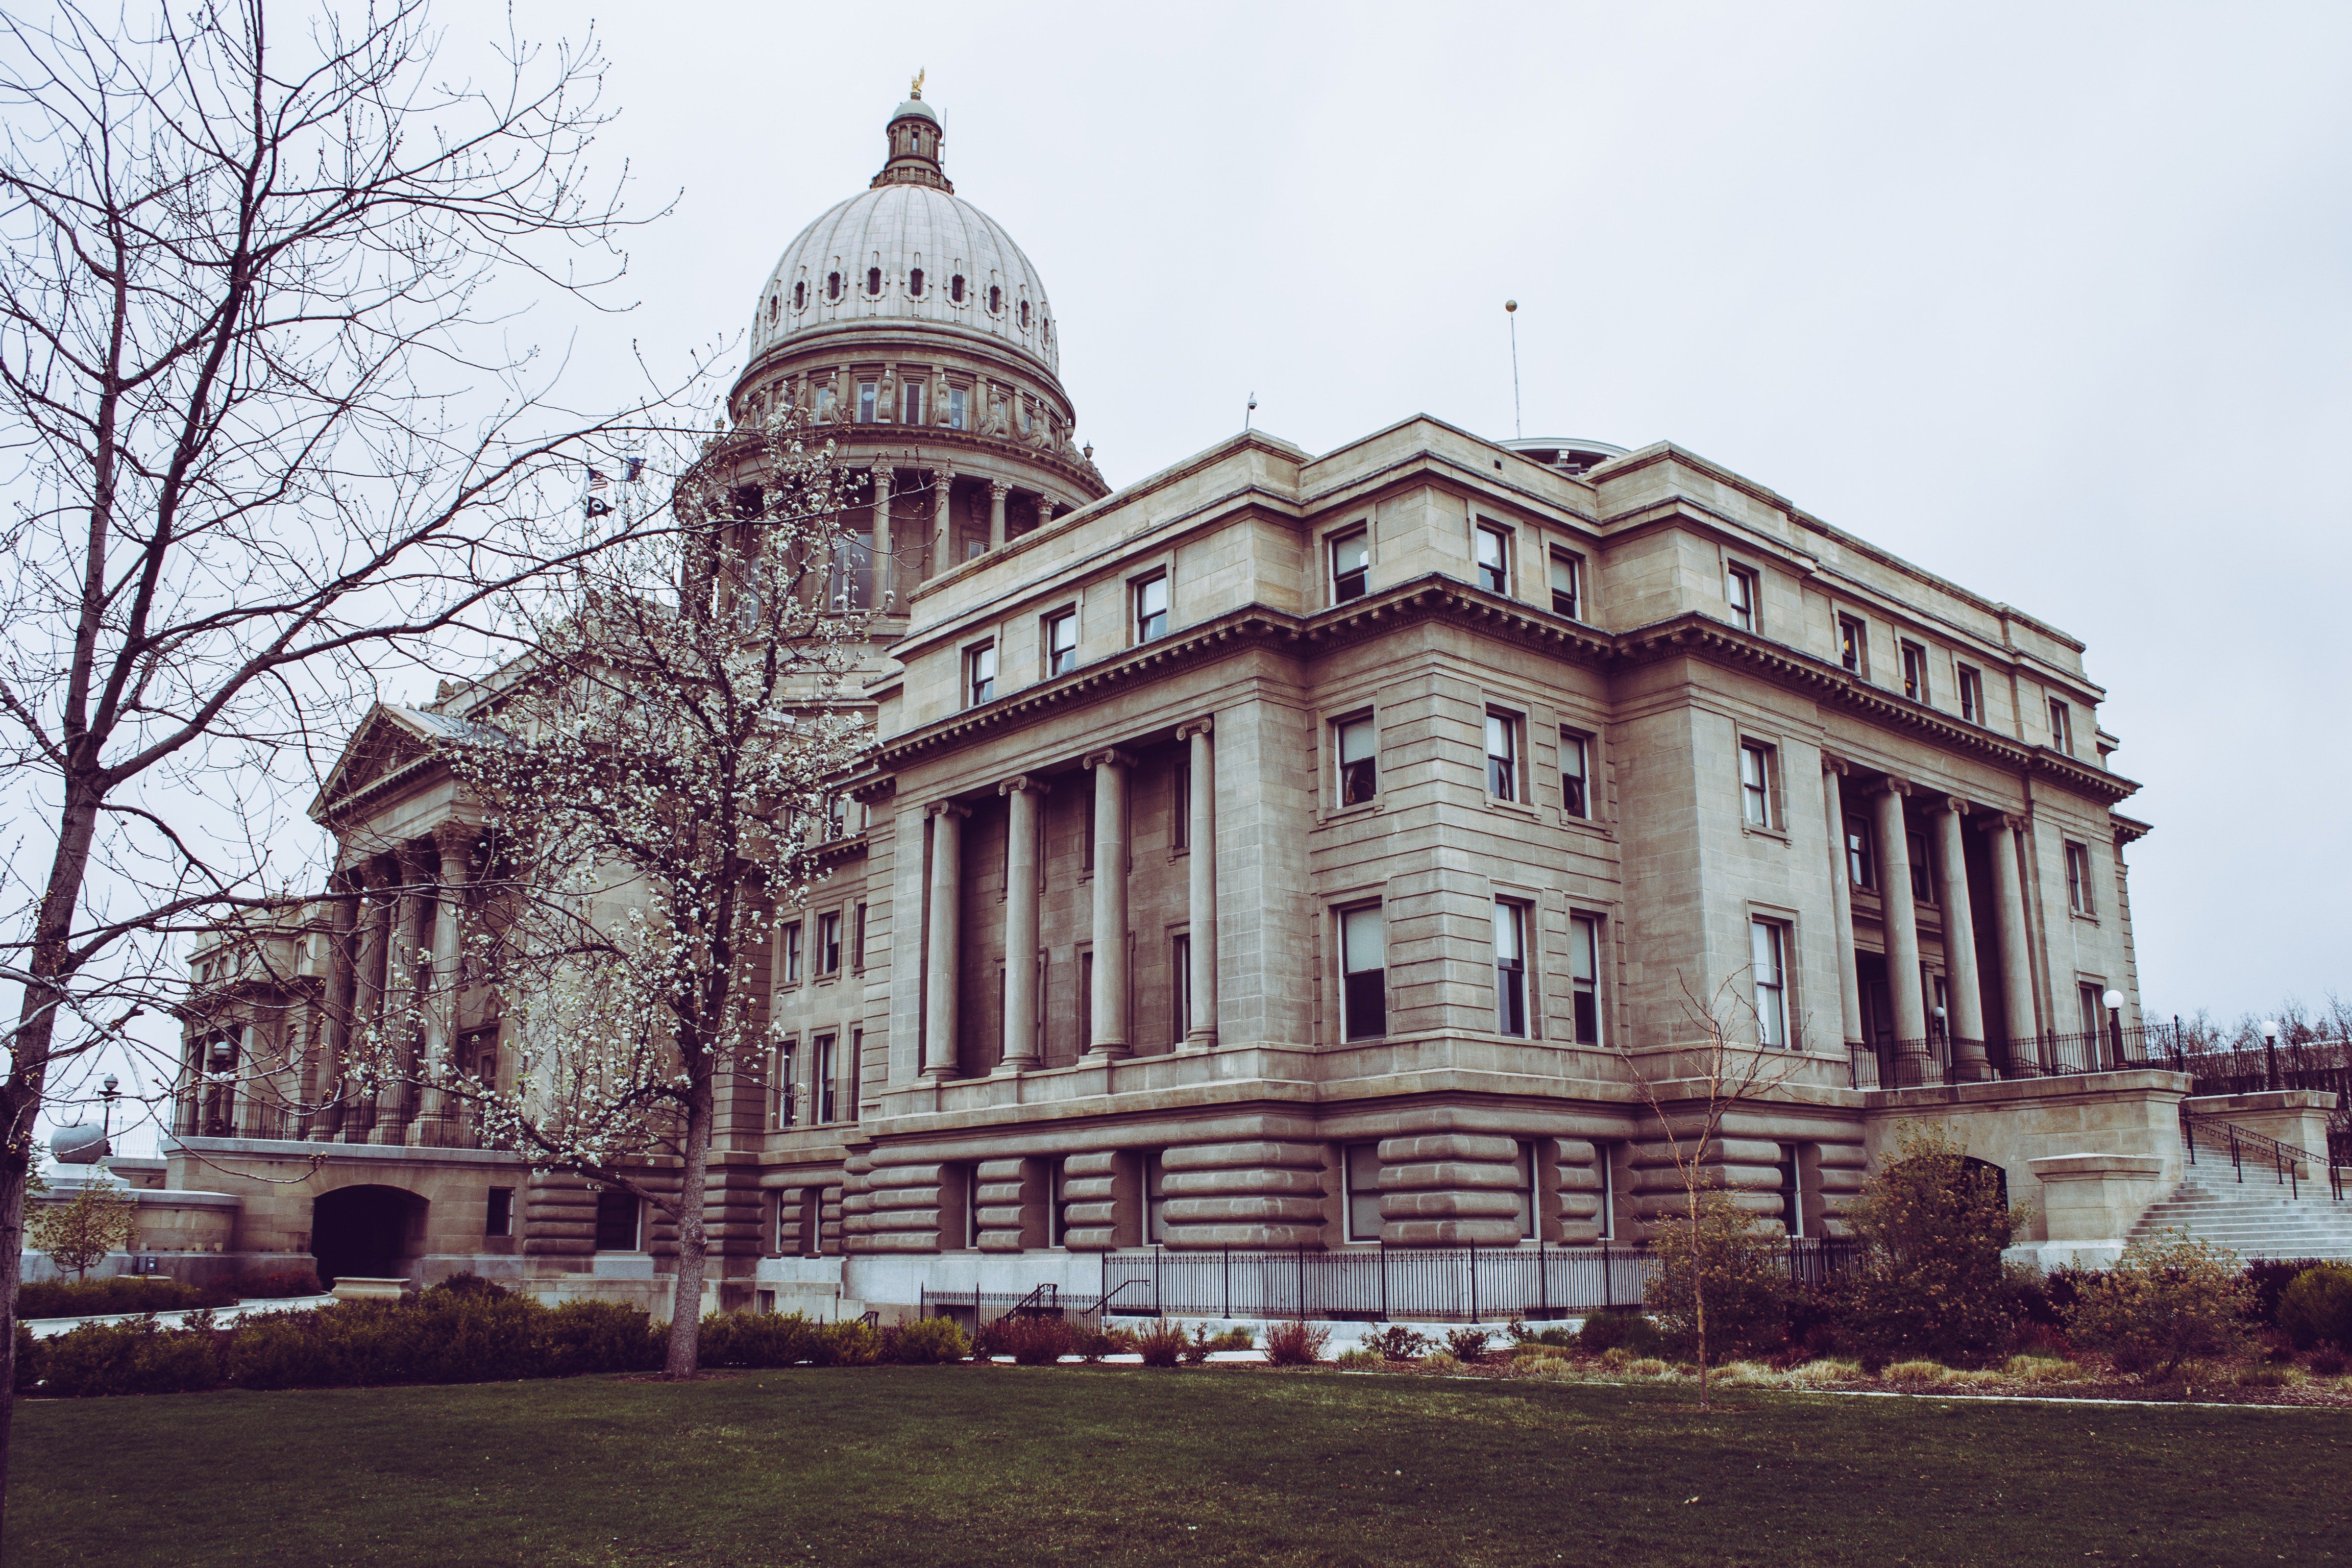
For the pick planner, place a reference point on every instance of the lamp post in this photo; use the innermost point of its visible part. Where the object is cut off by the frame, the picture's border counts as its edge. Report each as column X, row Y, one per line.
column 108, row 1093
column 2270, row 1052
column 2114, row 1002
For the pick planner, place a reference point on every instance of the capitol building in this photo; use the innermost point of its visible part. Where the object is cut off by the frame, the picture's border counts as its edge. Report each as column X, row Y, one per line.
column 1288, row 852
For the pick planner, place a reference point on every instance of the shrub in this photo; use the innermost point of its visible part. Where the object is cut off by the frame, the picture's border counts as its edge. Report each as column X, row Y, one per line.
column 1231, row 1340
column 1397, row 1342
column 926, row 1342
column 1441, row 1362
column 2266, row 1281
column 1296, row 1344
column 1037, row 1342
column 465, row 1284
column 2170, row 1298
column 1719, row 1257
column 99, row 1297
column 2327, row 1362
column 129, row 1358
column 601, row 1336
column 1605, row 1332
column 2315, row 1307
column 758, row 1338
column 1558, row 1334
column 1164, row 1344
column 1933, row 1227
column 848, row 1343
column 1468, row 1346
column 1358, row 1359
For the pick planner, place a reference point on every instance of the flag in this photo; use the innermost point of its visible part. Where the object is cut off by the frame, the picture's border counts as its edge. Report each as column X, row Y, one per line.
column 597, row 484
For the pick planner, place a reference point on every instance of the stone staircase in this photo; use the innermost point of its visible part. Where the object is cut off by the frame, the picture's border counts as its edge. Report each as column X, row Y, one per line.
column 2255, row 1218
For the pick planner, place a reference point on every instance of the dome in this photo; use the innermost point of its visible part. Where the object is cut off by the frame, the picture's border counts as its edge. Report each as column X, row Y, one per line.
column 907, row 251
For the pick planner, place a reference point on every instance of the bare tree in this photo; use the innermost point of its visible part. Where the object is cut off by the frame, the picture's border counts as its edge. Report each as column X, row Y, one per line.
column 1723, row 1066
column 661, row 774
column 271, row 436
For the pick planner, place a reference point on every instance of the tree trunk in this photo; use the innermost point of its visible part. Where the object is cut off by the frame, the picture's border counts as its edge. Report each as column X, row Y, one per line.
column 686, row 1307
column 1699, row 1294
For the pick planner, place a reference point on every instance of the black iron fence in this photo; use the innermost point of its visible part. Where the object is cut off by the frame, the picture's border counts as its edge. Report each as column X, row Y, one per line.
column 1468, row 1284
column 1927, row 1064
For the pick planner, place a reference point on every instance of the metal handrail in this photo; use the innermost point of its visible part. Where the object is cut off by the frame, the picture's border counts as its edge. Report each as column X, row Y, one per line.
column 2240, row 1143
column 1046, row 1298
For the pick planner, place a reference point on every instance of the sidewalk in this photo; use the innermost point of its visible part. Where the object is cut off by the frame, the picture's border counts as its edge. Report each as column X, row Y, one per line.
column 49, row 1328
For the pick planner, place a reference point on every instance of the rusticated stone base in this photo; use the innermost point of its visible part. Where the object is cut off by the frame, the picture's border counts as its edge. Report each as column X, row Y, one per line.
column 1254, row 1194
column 1450, row 1189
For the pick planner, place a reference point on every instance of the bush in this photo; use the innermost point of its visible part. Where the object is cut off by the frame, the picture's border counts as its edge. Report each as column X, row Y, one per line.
column 2315, row 1308
column 1468, row 1346
column 926, row 1342
column 2327, row 1362
column 848, row 1343
column 1397, row 1342
column 1029, row 1340
column 1606, row 1331
column 1558, row 1334
column 1359, row 1360
column 1296, row 1344
column 1162, row 1344
column 1439, row 1361
column 1932, row 1285
column 98, row 1298
column 2266, row 1281
column 1231, row 1340
column 758, row 1338
column 2170, row 1298
column 1735, row 1268
column 129, row 1358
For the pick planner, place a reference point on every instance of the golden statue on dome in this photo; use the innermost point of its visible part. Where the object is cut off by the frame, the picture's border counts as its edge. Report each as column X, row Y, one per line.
column 917, row 90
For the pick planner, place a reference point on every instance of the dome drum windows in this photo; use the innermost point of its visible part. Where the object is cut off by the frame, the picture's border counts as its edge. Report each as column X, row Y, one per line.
column 914, row 282
column 800, row 295
column 874, row 282
column 832, row 286
column 1024, row 315
column 955, row 290
column 996, row 300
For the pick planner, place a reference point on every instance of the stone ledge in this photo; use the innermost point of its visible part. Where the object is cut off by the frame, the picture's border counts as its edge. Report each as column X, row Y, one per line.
column 2071, row 1167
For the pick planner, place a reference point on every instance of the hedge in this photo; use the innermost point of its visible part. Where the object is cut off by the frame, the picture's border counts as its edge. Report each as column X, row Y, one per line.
column 131, row 1293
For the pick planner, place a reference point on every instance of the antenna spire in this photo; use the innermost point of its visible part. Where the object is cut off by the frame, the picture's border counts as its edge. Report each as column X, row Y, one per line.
column 1511, row 310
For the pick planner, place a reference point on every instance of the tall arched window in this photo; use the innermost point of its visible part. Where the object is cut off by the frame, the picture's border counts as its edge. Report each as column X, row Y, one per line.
column 800, row 295
column 995, row 299
column 1024, row 315
column 832, row 286
column 955, row 288
column 874, row 280
column 914, row 282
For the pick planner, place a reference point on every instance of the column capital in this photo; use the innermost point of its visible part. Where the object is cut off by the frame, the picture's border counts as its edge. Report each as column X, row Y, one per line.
column 998, row 490
column 942, row 476
column 1835, row 764
column 1022, row 783
column 1111, row 756
column 455, row 837
column 946, row 808
column 1890, row 785
column 2001, row 822
column 1206, row 724
column 1957, row 804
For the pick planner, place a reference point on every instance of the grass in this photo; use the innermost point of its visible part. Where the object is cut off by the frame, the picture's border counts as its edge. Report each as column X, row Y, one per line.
column 913, row 1466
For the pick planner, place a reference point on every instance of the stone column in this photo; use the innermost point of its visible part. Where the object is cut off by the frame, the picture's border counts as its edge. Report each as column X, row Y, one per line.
column 997, row 490
column 435, row 1120
column 879, row 565
column 335, row 1027
column 1200, row 835
column 1900, row 920
column 1970, row 1063
column 399, row 1032
column 2016, row 966
column 942, row 968
column 1109, row 1013
column 363, row 1035
column 1023, row 797
column 942, row 488
column 1045, row 512
column 1841, row 903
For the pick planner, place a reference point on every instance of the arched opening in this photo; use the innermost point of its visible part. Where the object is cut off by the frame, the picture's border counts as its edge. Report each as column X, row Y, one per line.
column 1971, row 1165
column 367, row 1233
column 874, row 280
column 1024, row 315
column 996, row 299
column 799, row 295
column 833, row 285
column 955, row 289
column 914, row 282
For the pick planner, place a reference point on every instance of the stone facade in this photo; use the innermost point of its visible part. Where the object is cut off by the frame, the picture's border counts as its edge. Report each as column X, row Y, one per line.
column 1295, row 851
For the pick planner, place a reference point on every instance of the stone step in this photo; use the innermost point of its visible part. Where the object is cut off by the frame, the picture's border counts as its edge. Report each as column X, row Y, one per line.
column 2254, row 1218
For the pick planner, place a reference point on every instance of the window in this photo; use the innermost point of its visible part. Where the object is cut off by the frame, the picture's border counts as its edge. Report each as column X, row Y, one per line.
column 1756, row 784
column 1364, row 985
column 959, row 1231
column 1359, row 1169
column 868, row 392
column 800, row 295
column 982, row 664
column 874, row 280
column 1853, row 645
column 1179, row 802
column 1575, row 773
column 1151, row 607
column 1155, row 1199
column 824, row 402
column 1024, row 315
column 2062, row 727
column 1915, row 672
column 1351, row 565
column 856, row 1071
column 833, row 285
column 1971, row 696
column 1858, row 861
column 1567, row 584
column 1061, row 643
column 828, row 943
column 2094, row 1005
column 910, row 400
column 1792, row 1196
column 1604, row 1166
column 1740, row 592
column 857, row 938
column 1922, row 871
column 1584, row 978
column 2078, row 878
column 498, row 1216
column 1360, row 766
column 955, row 289
column 784, row 1088
column 793, row 954
column 959, row 408
column 1502, row 755
column 1494, row 559
column 821, row 1078
column 995, row 299
column 1180, row 971
column 1769, row 942
column 1526, row 1183
column 836, row 818
column 617, row 1217
column 1510, row 968
column 914, row 282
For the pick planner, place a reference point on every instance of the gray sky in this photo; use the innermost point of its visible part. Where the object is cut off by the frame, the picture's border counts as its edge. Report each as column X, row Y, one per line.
column 2049, row 300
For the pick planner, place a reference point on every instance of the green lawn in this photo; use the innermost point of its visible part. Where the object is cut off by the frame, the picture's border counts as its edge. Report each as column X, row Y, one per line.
column 907, row 1467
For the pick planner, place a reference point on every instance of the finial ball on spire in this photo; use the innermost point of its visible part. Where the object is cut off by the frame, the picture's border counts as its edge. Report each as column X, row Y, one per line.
column 1511, row 305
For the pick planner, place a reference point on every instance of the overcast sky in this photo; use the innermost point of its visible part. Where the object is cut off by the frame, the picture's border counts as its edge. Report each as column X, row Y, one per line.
column 2049, row 300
